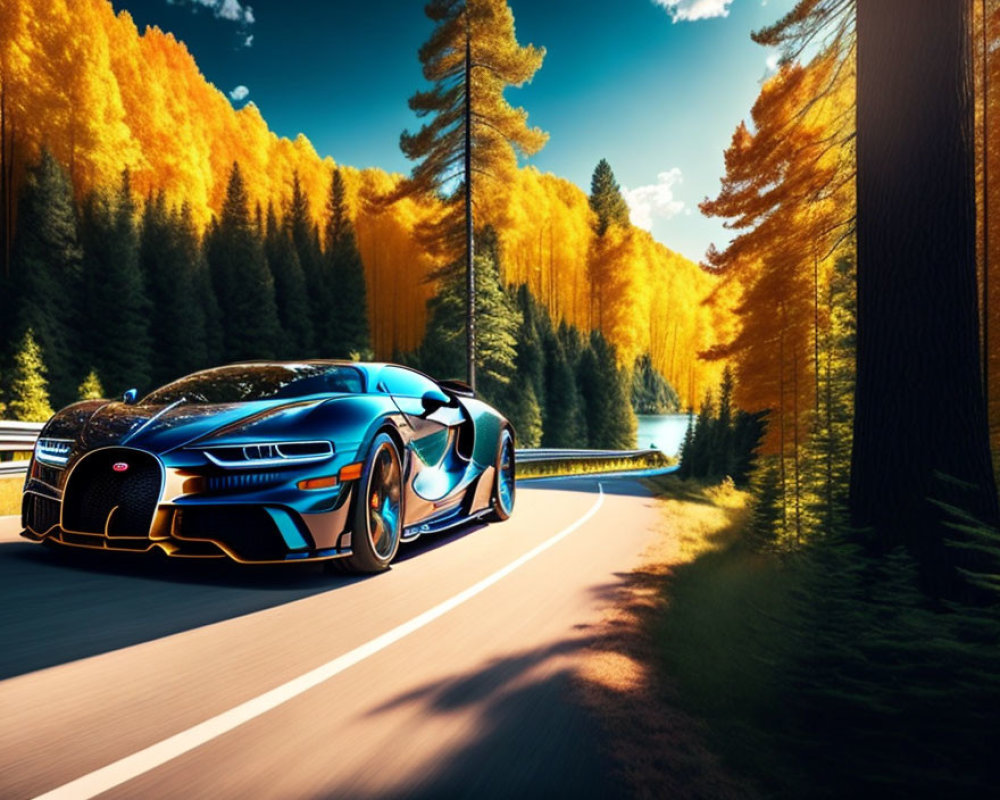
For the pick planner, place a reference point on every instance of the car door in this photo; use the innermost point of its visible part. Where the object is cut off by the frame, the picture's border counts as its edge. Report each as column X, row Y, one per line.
column 434, row 419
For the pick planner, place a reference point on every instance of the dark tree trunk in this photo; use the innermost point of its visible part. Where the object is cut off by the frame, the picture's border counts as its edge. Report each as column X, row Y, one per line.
column 919, row 413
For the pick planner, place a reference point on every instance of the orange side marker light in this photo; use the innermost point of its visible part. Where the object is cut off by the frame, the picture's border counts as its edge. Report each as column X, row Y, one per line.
column 351, row 472
column 318, row 483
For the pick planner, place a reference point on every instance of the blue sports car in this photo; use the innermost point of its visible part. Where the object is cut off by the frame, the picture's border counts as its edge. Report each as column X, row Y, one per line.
column 267, row 462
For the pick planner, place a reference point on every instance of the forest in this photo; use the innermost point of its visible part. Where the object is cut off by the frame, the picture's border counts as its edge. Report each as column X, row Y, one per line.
column 104, row 128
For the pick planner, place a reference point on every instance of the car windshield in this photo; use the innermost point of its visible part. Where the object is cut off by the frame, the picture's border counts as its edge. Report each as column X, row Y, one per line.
column 242, row 383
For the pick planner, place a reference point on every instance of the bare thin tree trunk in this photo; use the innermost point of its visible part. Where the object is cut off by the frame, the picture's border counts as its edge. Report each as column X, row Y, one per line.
column 986, row 210
column 4, row 189
column 470, row 267
column 781, row 420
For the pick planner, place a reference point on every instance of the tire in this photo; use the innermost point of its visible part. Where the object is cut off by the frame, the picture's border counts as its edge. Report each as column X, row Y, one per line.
column 504, row 487
column 378, row 509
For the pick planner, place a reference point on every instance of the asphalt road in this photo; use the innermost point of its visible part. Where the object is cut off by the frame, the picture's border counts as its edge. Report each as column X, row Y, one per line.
column 448, row 676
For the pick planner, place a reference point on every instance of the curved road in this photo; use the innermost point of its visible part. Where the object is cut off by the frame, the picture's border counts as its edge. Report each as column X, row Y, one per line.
column 447, row 676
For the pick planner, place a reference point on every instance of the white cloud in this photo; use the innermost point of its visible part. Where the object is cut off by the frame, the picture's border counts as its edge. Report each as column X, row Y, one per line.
column 773, row 61
column 232, row 10
column 691, row 10
column 655, row 200
column 239, row 94
column 248, row 42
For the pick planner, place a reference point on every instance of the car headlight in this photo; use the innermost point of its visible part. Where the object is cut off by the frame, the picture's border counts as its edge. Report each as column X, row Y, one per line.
column 54, row 452
column 267, row 454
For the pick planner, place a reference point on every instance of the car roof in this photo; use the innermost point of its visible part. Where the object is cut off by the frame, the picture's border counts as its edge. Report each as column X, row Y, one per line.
column 370, row 368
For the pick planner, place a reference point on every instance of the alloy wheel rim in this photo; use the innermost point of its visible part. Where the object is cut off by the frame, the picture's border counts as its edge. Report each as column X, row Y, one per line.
column 505, row 485
column 383, row 502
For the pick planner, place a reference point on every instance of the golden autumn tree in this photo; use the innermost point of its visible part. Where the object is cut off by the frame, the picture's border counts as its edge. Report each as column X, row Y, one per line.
column 475, row 135
column 788, row 192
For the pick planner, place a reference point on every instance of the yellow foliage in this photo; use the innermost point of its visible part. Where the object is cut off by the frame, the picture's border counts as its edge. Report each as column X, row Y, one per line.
column 83, row 81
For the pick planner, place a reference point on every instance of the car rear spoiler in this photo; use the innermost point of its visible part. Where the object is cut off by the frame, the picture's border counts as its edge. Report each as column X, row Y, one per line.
column 456, row 388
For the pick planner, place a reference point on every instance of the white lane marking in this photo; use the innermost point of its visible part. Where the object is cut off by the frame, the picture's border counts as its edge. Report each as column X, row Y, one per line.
column 132, row 766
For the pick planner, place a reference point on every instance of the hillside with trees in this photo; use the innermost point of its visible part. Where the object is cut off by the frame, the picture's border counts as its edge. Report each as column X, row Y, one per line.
column 147, row 176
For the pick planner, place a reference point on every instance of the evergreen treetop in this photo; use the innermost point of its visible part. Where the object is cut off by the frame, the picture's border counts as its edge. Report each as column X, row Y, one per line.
column 606, row 198
column 28, row 392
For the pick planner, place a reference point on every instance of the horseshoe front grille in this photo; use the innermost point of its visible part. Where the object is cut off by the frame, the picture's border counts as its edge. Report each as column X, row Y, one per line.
column 114, row 492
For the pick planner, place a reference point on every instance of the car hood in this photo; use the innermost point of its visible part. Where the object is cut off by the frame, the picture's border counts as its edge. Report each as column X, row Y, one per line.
column 160, row 429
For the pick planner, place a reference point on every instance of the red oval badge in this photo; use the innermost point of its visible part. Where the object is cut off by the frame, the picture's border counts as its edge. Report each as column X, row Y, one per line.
column 119, row 466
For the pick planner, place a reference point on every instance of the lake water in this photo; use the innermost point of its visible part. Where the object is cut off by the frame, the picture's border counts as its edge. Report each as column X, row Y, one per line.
column 662, row 431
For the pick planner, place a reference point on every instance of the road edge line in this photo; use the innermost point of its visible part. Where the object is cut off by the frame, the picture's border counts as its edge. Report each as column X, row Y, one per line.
column 155, row 755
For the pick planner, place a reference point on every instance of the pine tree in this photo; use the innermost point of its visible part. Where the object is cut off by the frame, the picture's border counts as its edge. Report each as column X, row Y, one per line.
column 91, row 388
column 45, row 274
column 290, row 292
column 651, row 393
column 765, row 529
column 28, row 392
column 117, row 308
column 471, row 58
column 442, row 351
column 530, row 359
column 211, row 313
column 562, row 416
column 319, row 284
column 828, row 452
column 686, row 455
column 723, row 455
column 168, row 253
column 703, row 440
column 748, row 434
column 243, row 283
column 606, row 199
column 606, row 391
column 349, row 323
column 525, row 414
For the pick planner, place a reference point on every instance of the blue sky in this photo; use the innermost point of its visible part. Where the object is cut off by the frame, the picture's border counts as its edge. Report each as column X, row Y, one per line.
column 654, row 86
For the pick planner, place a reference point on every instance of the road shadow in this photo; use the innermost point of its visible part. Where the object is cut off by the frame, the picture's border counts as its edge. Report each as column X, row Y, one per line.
column 603, row 723
column 58, row 606
column 533, row 738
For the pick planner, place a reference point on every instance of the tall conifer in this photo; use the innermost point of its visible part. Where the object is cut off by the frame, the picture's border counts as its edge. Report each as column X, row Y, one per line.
column 349, row 323
column 471, row 58
column 44, row 287
column 243, row 283
column 290, row 291
column 117, row 308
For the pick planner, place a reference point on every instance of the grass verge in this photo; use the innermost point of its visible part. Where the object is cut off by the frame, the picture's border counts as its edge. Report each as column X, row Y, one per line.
column 822, row 672
column 571, row 466
column 10, row 495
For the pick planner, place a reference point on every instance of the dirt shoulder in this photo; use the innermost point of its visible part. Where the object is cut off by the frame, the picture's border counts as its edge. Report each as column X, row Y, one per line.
column 661, row 750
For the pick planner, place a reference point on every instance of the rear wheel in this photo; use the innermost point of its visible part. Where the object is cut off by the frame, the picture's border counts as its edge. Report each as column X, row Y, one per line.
column 504, row 488
column 378, row 509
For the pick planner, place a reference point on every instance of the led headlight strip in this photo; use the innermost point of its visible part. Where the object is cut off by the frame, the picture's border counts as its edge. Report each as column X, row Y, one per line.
column 267, row 454
column 54, row 452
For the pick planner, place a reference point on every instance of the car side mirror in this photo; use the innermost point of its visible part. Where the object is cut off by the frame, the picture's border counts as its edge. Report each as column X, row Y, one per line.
column 131, row 397
column 432, row 401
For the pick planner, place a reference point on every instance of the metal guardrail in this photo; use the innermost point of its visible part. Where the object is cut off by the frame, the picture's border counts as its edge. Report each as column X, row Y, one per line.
column 554, row 454
column 20, row 436
column 17, row 437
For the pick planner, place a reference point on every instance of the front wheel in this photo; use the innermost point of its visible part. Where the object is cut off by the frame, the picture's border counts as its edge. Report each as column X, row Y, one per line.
column 504, row 488
column 378, row 509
